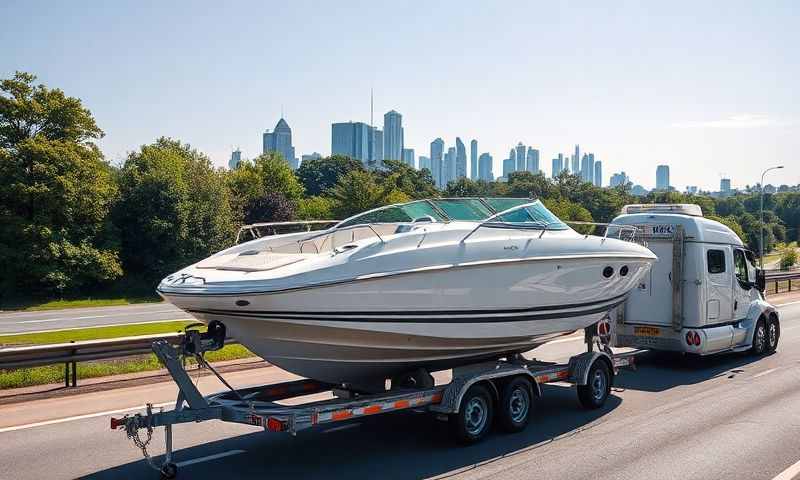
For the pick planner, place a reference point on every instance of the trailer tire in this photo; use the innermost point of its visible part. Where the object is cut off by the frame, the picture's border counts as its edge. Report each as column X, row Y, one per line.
column 169, row 471
column 759, row 346
column 516, row 405
column 598, row 386
column 474, row 418
column 773, row 333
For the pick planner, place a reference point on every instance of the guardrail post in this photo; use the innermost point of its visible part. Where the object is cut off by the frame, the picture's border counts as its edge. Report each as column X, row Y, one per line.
column 74, row 374
column 66, row 374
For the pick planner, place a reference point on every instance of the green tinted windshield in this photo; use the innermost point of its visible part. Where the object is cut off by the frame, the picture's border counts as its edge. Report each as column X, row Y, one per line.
column 461, row 209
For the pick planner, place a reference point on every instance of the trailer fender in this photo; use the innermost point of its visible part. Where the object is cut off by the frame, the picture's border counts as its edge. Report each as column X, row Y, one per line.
column 579, row 366
column 451, row 399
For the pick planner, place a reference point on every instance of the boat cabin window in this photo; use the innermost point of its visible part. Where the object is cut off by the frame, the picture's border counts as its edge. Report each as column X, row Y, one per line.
column 716, row 261
column 740, row 265
column 536, row 214
column 468, row 209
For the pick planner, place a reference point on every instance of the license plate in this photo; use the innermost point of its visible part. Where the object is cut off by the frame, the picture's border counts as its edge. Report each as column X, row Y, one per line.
column 646, row 331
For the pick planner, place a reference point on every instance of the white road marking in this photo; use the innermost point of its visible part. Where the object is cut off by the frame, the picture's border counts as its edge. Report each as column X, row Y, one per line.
column 79, row 417
column 786, row 304
column 766, row 372
column 209, row 457
column 789, row 473
column 342, row 427
column 45, row 320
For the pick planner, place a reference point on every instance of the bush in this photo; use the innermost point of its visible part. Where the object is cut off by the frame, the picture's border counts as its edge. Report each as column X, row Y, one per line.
column 788, row 258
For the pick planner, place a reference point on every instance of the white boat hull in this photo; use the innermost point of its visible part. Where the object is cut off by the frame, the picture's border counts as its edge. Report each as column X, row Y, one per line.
column 366, row 330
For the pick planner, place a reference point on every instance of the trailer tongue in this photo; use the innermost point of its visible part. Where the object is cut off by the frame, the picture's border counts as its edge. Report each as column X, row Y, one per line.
column 503, row 389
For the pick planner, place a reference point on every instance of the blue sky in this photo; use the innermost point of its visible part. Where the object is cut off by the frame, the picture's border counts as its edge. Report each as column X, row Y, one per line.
column 709, row 88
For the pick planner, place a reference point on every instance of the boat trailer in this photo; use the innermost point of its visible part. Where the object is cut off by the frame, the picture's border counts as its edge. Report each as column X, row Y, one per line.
column 502, row 388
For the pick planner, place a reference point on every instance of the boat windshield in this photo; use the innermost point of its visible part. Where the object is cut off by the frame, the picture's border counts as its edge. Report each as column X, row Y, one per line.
column 462, row 209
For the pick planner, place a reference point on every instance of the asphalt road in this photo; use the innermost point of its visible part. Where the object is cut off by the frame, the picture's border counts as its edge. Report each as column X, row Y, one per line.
column 22, row 322
column 731, row 416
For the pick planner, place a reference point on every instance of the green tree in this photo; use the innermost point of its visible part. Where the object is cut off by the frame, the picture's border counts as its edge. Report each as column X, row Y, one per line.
column 730, row 222
column 527, row 184
column 173, row 209
column 400, row 176
column 277, row 176
column 464, row 187
column 272, row 207
column 788, row 257
column 315, row 208
column 569, row 211
column 56, row 193
column 320, row 174
column 359, row 191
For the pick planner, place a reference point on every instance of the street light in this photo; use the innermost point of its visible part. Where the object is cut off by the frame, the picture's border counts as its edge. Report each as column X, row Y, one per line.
column 761, row 218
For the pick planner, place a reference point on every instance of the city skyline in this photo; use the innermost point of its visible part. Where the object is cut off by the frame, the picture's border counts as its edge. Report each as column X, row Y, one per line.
column 710, row 93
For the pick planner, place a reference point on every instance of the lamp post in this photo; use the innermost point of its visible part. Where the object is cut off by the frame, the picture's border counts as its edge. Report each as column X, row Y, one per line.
column 761, row 218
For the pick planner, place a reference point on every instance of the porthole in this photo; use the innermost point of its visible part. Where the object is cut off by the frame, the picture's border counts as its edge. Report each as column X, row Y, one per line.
column 242, row 303
column 607, row 272
column 623, row 271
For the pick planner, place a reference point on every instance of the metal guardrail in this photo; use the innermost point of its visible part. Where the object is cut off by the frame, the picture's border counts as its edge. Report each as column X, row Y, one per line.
column 780, row 276
column 83, row 351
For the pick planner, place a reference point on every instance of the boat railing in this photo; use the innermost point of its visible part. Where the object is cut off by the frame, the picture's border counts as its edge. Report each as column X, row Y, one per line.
column 628, row 233
column 255, row 229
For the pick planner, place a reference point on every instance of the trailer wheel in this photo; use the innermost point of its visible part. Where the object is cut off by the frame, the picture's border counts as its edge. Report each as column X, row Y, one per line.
column 474, row 417
column 759, row 346
column 169, row 471
column 598, row 386
column 516, row 404
column 773, row 333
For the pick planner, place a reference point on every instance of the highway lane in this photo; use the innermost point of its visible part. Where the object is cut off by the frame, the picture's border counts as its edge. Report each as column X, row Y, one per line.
column 730, row 416
column 24, row 322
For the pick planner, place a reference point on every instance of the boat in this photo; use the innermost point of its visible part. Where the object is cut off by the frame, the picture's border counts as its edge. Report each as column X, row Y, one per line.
column 429, row 284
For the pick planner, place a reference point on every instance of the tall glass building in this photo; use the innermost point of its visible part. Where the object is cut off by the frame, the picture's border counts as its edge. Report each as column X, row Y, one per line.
column 473, row 160
column 280, row 141
column 598, row 173
column 461, row 159
column 437, row 151
column 485, row 167
column 662, row 177
column 351, row 139
column 392, row 136
column 408, row 157
column 532, row 161
column 520, row 157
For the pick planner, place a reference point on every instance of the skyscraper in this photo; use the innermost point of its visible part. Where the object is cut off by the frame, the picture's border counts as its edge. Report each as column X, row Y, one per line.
column 392, row 136
column 461, row 159
column 449, row 166
column 576, row 160
column 618, row 179
column 585, row 168
column 508, row 167
column 598, row 173
column 280, row 141
column 408, row 157
column 437, row 148
column 236, row 159
column 512, row 155
column 425, row 162
column 662, row 177
column 557, row 165
column 725, row 185
column 532, row 161
column 375, row 148
column 310, row 156
column 473, row 160
column 520, row 157
column 590, row 172
column 351, row 139
column 485, row 167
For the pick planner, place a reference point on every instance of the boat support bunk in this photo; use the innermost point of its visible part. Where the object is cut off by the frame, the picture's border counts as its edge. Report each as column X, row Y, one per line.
column 503, row 390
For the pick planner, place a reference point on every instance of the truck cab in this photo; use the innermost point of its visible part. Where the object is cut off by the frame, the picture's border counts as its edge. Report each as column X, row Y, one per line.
column 704, row 295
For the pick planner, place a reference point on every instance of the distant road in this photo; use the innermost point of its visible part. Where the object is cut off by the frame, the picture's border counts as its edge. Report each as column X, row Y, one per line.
column 23, row 322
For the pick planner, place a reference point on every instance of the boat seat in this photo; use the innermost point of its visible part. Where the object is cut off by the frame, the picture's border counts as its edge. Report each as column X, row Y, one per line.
column 251, row 261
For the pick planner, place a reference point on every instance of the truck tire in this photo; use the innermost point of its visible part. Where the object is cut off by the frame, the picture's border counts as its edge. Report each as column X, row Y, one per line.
column 516, row 405
column 759, row 346
column 773, row 333
column 474, row 418
column 598, row 386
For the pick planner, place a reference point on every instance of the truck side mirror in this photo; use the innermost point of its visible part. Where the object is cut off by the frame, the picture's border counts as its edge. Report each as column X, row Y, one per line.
column 761, row 280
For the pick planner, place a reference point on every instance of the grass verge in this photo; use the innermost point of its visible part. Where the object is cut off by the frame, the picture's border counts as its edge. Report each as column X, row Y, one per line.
column 92, row 333
column 39, row 305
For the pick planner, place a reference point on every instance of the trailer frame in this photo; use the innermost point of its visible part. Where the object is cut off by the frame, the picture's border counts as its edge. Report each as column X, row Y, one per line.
column 257, row 406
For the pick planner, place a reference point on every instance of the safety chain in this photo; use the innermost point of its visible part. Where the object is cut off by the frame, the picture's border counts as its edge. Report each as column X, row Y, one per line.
column 132, row 426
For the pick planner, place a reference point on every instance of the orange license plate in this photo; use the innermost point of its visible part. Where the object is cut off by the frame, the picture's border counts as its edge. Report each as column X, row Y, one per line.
column 646, row 331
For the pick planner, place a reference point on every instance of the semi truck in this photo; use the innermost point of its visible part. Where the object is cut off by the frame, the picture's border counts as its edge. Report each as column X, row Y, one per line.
column 704, row 295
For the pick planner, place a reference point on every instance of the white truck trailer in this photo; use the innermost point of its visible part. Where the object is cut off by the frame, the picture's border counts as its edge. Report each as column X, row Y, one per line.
column 703, row 296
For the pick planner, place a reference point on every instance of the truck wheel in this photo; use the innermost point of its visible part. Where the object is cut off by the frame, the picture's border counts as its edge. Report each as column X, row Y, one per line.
column 169, row 471
column 759, row 338
column 773, row 333
column 474, row 417
column 516, row 404
column 598, row 386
